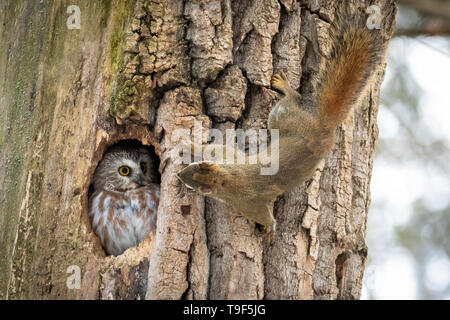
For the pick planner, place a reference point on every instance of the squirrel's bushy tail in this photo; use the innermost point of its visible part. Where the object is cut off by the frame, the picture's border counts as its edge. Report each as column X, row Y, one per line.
column 356, row 51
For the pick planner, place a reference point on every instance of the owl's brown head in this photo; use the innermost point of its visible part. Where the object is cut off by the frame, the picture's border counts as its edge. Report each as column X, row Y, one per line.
column 124, row 168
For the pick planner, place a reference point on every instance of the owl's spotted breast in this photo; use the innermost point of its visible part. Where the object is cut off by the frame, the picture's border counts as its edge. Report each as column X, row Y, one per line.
column 122, row 219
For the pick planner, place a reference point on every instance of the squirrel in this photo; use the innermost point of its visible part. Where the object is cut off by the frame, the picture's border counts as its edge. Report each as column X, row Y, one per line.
column 306, row 130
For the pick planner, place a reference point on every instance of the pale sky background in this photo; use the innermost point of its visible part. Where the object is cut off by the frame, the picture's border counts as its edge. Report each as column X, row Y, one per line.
column 396, row 185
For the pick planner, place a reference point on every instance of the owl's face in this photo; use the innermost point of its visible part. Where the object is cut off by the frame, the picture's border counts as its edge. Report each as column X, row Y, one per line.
column 123, row 169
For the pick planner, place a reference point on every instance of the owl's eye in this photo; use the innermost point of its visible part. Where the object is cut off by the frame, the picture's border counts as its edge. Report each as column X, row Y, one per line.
column 124, row 170
column 143, row 167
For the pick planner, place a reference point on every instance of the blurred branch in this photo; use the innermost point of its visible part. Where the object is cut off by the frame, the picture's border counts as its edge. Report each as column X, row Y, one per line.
column 435, row 22
column 430, row 30
column 433, row 8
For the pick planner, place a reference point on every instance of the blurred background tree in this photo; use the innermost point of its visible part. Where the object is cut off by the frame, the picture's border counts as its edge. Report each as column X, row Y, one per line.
column 409, row 224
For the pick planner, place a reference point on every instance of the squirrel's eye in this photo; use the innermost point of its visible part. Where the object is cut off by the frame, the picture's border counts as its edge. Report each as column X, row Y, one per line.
column 124, row 170
column 143, row 167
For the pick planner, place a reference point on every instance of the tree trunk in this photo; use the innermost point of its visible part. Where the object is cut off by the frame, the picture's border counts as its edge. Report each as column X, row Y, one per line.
column 140, row 70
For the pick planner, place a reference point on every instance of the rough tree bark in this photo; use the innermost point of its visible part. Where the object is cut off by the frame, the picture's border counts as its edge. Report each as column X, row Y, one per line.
column 139, row 70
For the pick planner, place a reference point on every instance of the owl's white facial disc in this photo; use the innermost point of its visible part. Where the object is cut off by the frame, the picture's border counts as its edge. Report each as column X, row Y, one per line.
column 122, row 170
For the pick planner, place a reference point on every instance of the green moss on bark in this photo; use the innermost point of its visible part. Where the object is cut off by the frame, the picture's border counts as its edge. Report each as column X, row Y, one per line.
column 117, row 87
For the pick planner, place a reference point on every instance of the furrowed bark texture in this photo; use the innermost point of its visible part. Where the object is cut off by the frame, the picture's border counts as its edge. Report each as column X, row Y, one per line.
column 140, row 69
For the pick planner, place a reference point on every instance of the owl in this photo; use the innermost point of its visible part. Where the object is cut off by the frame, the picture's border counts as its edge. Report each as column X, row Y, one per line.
column 123, row 207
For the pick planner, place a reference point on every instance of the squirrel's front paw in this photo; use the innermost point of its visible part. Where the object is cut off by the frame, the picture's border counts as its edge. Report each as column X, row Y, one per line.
column 279, row 81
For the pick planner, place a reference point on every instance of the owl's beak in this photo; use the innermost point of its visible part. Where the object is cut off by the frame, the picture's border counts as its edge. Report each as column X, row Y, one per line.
column 138, row 181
